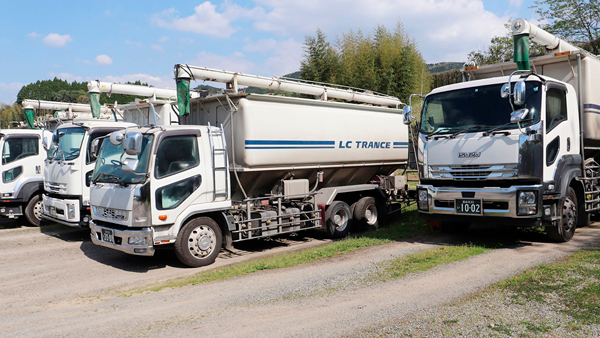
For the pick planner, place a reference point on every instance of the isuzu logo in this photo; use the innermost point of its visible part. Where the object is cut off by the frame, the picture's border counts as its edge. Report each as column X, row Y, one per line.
column 471, row 154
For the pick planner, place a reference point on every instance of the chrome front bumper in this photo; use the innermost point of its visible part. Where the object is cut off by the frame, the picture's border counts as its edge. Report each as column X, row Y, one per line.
column 60, row 212
column 496, row 202
column 121, row 240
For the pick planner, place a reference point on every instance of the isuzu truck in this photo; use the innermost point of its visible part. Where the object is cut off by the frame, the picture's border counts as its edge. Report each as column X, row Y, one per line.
column 516, row 143
column 245, row 166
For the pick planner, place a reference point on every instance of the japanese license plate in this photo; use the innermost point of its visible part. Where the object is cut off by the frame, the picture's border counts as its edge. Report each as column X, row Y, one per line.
column 108, row 236
column 468, row 206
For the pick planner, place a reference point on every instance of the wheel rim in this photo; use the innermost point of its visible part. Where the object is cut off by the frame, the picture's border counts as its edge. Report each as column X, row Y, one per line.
column 340, row 220
column 371, row 214
column 202, row 241
column 37, row 210
column 569, row 215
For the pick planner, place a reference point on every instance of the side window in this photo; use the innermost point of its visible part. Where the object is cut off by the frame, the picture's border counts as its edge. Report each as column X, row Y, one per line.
column 172, row 195
column 556, row 108
column 18, row 148
column 12, row 174
column 176, row 154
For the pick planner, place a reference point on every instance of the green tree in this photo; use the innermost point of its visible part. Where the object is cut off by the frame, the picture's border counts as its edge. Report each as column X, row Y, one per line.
column 577, row 21
column 387, row 62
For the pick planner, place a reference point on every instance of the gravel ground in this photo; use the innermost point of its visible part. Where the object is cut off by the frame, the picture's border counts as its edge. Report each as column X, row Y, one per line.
column 69, row 287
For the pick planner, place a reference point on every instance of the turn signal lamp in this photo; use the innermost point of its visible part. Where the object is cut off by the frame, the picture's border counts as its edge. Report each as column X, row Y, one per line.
column 162, row 217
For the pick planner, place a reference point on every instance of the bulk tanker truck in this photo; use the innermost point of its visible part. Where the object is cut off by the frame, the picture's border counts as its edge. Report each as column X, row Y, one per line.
column 246, row 166
column 68, row 169
column 517, row 143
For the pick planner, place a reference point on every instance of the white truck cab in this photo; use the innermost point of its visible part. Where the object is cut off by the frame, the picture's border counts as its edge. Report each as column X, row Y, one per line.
column 21, row 173
column 68, row 170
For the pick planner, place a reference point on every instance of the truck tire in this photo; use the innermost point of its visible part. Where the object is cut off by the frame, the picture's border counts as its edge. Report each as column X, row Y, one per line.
column 565, row 229
column 33, row 210
column 338, row 219
column 365, row 213
column 199, row 242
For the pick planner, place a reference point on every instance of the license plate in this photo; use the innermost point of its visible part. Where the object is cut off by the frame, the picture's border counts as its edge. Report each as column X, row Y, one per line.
column 108, row 236
column 468, row 206
column 52, row 211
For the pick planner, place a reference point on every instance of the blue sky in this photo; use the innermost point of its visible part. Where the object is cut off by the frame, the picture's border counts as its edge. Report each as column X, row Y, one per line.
column 132, row 40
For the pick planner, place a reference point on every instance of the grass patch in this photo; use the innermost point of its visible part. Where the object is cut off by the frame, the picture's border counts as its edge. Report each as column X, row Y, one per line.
column 408, row 225
column 571, row 284
column 426, row 260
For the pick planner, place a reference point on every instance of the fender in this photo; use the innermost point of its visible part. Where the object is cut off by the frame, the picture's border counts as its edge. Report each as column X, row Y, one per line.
column 568, row 168
column 30, row 189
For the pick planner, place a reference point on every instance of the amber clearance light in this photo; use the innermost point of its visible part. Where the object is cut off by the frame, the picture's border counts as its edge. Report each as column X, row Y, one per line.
column 162, row 217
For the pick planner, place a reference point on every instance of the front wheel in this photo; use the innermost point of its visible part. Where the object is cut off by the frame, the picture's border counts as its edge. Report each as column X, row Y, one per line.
column 199, row 242
column 33, row 210
column 565, row 228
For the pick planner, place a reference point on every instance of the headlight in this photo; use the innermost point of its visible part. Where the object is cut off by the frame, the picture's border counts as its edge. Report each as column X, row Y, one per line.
column 526, row 203
column 137, row 240
column 423, row 200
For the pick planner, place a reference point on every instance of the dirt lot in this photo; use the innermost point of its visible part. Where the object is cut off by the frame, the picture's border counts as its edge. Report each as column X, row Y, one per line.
column 55, row 282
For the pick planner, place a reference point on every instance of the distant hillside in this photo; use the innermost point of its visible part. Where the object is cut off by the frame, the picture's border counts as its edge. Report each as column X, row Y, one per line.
column 443, row 66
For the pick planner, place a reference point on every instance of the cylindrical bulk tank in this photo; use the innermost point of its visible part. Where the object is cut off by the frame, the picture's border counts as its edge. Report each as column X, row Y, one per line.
column 279, row 138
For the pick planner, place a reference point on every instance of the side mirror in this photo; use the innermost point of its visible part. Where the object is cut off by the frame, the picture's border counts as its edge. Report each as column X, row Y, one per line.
column 46, row 140
column 129, row 165
column 133, row 144
column 116, row 138
column 407, row 112
column 505, row 90
column 519, row 115
column 95, row 148
column 520, row 93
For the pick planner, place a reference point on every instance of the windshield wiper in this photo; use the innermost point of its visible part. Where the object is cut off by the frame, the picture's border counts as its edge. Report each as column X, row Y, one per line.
column 472, row 128
column 500, row 127
column 108, row 176
column 442, row 129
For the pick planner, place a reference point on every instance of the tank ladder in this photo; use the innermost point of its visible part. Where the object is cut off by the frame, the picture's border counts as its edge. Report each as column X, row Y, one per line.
column 216, row 139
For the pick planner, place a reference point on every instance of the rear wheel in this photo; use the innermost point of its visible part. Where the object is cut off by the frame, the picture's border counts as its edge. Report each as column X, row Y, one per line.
column 365, row 213
column 565, row 228
column 33, row 210
column 338, row 219
column 199, row 242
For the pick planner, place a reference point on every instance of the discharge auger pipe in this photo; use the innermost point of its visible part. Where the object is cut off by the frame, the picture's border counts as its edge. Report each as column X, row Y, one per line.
column 523, row 31
column 31, row 105
column 185, row 73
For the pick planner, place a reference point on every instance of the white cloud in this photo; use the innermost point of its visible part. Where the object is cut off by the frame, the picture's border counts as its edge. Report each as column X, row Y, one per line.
column 32, row 35
column 186, row 41
column 163, row 39
column 104, row 59
column 108, row 13
column 57, row 40
column 157, row 48
column 263, row 45
column 205, row 20
column 85, row 62
column 515, row 3
column 9, row 91
column 134, row 43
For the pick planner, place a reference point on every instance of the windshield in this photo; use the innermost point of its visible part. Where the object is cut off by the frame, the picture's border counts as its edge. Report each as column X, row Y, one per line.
column 476, row 108
column 66, row 143
column 108, row 164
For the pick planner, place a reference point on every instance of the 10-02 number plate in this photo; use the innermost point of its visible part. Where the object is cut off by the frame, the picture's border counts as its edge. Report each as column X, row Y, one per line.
column 468, row 206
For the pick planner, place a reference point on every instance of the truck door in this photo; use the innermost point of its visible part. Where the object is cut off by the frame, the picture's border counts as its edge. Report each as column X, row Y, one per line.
column 178, row 175
column 19, row 158
column 558, row 125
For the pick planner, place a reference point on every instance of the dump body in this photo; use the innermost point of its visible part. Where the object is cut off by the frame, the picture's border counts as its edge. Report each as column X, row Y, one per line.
column 276, row 137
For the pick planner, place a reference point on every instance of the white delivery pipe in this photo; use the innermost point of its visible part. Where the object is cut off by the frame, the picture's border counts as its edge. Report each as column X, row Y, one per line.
column 541, row 37
column 129, row 89
column 52, row 105
column 275, row 83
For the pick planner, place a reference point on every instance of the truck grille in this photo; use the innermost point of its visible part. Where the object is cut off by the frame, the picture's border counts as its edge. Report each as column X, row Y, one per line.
column 116, row 214
column 55, row 187
column 474, row 172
